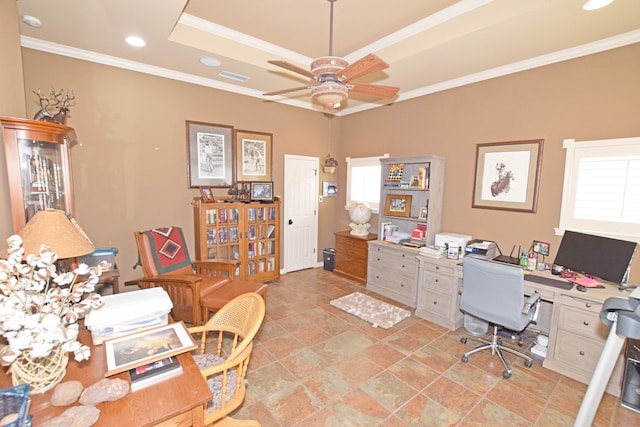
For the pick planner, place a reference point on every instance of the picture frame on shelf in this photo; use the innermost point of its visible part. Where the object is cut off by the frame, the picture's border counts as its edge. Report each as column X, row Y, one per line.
column 261, row 191
column 507, row 175
column 398, row 205
column 209, row 155
column 207, row 195
column 253, row 155
column 424, row 211
column 147, row 346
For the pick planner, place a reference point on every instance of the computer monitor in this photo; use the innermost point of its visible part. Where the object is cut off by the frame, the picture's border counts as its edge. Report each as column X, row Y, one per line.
column 602, row 257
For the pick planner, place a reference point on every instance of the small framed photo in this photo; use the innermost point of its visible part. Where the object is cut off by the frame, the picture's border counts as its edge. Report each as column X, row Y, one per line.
column 329, row 189
column 131, row 351
column 262, row 191
column 541, row 248
column 207, row 195
column 424, row 211
column 398, row 205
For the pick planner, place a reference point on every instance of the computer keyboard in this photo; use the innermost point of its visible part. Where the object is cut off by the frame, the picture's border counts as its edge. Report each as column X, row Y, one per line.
column 548, row 281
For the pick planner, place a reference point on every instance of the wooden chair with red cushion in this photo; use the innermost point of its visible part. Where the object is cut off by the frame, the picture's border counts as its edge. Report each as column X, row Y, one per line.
column 165, row 262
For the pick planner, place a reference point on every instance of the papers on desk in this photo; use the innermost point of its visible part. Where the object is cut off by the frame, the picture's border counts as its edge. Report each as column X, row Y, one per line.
column 433, row 251
column 587, row 282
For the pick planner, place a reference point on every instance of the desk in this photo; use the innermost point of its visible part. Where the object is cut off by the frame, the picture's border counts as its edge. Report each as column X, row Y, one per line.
column 576, row 335
column 180, row 400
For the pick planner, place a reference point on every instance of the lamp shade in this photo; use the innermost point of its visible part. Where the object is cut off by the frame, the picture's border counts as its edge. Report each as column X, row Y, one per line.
column 54, row 229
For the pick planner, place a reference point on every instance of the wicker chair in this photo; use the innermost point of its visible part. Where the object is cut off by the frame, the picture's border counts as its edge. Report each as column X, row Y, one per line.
column 165, row 261
column 226, row 342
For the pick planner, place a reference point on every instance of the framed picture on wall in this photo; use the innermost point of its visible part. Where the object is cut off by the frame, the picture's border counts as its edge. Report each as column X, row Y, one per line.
column 209, row 155
column 253, row 155
column 507, row 175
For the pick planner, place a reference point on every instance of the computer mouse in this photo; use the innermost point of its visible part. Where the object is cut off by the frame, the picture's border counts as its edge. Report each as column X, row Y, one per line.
column 581, row 288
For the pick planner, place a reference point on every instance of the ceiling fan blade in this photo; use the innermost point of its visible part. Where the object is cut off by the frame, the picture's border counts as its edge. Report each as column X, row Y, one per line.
column 291, row 67
column 369, row 64
column 378, row 91
column 278, row 92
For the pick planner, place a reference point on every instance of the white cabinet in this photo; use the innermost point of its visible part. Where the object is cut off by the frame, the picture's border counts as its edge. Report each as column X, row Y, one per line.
column 439, row 282
column 392, row 272
column 577, row 340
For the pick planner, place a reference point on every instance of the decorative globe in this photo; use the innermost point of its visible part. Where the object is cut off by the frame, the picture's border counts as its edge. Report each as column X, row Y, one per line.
column 360, row 214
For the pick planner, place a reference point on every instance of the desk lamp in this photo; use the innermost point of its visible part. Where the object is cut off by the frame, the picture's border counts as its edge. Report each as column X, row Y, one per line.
column 56, row 230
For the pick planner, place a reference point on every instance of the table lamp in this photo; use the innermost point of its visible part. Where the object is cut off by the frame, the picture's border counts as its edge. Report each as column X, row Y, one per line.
column 56, row 230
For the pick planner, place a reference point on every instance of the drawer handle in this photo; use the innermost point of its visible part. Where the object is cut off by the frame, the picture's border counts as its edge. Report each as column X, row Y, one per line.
column 588, row 305
column 403, row 266
column 585, row 323
column 402, row 285
column 435, row 303
column 378, row 259
column 437, row 267
column 377, row 277
column 437, row 280
column 581, row 353
column 402, row 255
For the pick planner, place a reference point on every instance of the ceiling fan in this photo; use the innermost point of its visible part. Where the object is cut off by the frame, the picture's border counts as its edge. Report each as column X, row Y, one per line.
column 333, row 77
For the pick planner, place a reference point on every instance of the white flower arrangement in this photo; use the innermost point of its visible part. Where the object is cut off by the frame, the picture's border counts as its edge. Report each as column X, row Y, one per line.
column 40, row 308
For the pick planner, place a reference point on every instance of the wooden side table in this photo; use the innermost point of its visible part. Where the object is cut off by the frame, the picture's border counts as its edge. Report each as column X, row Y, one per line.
column 352, row 255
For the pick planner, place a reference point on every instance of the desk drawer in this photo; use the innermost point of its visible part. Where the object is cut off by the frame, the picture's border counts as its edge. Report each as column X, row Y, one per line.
column 582, row 322
column 438, row 268
column 435, row 302
column 437, row 281
column 577, row 351
column 580, row 302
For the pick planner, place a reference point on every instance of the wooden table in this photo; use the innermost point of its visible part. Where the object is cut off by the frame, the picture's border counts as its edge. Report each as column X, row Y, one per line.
column 351, row 255
column 178, row 401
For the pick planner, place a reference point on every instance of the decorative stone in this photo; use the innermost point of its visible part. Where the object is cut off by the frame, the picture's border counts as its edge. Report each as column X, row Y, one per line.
column 105, row 390
column 76, row 416
column 66, row 393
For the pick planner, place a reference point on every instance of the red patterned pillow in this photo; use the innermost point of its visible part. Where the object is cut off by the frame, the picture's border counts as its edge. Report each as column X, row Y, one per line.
column 169, row 248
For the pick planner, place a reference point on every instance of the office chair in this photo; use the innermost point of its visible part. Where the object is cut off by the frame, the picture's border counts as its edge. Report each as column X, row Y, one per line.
column 494, row 293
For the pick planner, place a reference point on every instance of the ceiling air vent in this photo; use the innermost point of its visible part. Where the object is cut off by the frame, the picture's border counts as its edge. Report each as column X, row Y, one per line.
column 233, row 76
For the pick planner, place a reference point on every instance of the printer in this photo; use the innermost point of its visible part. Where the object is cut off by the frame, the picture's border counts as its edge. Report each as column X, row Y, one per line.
column 485, row 249
column 445, row 240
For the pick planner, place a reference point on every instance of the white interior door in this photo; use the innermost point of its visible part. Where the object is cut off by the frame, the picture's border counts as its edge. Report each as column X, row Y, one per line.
column 300, row 212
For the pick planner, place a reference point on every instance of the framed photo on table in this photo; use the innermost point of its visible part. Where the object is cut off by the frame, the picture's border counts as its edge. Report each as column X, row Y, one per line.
column 147, row 346
column 207, row 195
column 262, row 191
column 253, row 155
column 508, row 175
column 209, row 155
column 398, row 205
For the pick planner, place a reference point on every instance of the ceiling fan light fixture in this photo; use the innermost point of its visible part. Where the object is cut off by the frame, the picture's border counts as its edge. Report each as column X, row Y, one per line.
column 330, row 94
column 328, row 65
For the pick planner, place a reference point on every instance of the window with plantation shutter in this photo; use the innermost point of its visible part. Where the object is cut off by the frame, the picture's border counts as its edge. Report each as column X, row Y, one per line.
column 363, row 181
column 601, row 193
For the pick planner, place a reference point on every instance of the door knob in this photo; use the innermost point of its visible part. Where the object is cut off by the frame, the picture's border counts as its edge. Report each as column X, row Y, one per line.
column 290, row 221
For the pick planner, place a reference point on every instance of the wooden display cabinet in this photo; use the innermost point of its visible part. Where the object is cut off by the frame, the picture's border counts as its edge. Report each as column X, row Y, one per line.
column 244, row 232
column 38, row 167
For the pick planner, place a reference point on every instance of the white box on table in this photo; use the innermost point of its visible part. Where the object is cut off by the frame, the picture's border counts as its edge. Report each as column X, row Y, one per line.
column 128, row 312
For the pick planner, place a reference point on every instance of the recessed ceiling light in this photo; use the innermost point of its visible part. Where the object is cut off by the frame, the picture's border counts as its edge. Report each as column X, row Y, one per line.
column 210, row 61
column 596, row 4
column 135, row 41
column 31, row 21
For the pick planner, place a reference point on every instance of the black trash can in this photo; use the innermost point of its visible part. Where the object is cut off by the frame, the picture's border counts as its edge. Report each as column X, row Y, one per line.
column 329, row 256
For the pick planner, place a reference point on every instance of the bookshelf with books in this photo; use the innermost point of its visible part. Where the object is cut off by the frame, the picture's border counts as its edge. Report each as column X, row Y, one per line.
column 248, row 232
column 411, row 195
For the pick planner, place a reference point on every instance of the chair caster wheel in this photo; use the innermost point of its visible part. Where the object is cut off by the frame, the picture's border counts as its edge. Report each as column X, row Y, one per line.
column 463, row 340
column 465, row 359
column 506, row 375
column 528, row 363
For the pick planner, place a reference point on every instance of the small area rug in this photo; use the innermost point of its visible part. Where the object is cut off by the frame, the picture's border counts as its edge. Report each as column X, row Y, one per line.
column 374, row 311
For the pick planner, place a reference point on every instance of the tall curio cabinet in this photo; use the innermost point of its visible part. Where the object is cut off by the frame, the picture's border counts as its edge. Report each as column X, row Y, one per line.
column 38, row 167
column 247, row 232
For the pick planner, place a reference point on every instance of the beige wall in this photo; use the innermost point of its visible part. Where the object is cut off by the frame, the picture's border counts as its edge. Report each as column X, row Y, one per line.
column 594, row 97
column 130, row 164
column 11, row 93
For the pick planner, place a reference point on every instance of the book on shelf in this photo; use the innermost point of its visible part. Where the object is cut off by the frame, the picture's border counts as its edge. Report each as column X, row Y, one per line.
column 271, row 229
column 154, row 372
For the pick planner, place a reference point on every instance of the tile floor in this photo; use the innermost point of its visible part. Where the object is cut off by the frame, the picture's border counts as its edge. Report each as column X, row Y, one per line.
column 314, row 365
